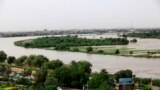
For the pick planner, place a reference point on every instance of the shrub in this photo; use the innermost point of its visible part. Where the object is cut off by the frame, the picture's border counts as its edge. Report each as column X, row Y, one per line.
column 50, row 87
column 89, row 49
column 23, row 81
column 117, row 51
column 133, row 40
column 75, row 49
column 131, row 52
column 100, row 51
column 146, row 81
column 156, row 82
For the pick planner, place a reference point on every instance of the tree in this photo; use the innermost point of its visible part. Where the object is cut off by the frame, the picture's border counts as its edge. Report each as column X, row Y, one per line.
column 51, row 81
column 23, row 81
column 89, row 49
column 53, row 64
column 85, row 66
column 3, row 56
column 124, row 36
column 30, row 60
column 40, row 76
column 8, row 71
column 97, row 79
column 21, row 60
column 40, row 60
column 10, row 59
column 2, row 69
column 27, row 72
column 50, row 87
column 26, row 45
column 5, row 70
column 36, row 87
column 105, row 86
column 123, row 74
column 117, row 51
column 80, row 72
column 62, row 74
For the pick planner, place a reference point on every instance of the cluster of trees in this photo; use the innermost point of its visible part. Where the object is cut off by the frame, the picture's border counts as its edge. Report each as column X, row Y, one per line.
column 5, row 70
column 54, row 73
column 101, row 81
column 151, row 34
column 31, row 61
column 51, row 74
column 65, row 42
column 74, row 75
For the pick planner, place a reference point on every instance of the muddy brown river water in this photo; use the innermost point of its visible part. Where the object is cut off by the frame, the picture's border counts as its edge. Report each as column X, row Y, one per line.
column 142, row 67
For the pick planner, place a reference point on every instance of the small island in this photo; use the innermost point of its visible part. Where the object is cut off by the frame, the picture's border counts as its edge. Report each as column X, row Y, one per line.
column 66, row 42
column 105, row 46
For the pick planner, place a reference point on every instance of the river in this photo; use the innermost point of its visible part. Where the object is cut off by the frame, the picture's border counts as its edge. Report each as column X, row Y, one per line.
column 142, row 67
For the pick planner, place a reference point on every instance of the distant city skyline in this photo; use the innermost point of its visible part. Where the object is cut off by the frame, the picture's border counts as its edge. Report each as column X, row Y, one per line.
column 28, row 15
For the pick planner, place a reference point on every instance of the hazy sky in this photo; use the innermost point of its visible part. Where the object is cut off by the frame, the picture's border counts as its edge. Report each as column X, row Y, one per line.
column 19, row 15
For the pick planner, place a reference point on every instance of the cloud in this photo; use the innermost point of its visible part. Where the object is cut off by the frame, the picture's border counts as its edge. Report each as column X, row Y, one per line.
column 1, row 4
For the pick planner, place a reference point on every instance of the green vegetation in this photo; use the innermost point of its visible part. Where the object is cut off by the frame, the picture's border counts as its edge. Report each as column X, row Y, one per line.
column 11, row 59
column 117, row 51
column 3, row 56
column 65, row 42
column 89, row 49
column 91, row 46
column 121, row 51
column 100, row 81
column 123, row 74
column 151, row 34
column 156, row 82
column 48, row 75
column 133, row 40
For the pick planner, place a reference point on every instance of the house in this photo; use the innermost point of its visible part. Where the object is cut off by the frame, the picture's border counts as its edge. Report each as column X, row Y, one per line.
column 18, row 72
column 126, row 84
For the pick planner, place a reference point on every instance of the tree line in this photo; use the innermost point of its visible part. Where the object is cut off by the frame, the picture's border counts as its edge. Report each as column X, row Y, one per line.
column 151, row 34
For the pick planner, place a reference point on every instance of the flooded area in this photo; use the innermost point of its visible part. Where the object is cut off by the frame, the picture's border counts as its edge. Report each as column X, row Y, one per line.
column 142, row 67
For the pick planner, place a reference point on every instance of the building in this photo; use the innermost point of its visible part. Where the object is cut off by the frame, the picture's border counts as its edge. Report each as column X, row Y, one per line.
column 126, row 84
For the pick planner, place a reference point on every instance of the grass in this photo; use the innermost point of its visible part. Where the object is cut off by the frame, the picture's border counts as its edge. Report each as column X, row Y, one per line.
column 111, row 51
column 123, row 51
column 5, row 87
column 8, row 88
